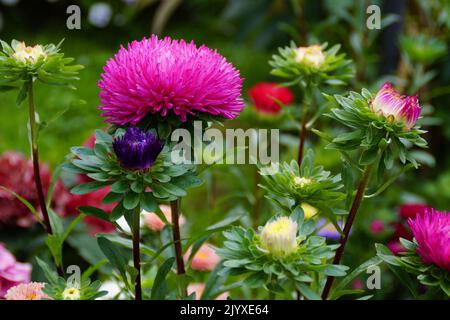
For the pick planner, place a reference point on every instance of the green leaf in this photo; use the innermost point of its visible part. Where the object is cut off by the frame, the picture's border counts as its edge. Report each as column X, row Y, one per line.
column 352, row 275
column 115, row 256
column 158, row 288
column 25, row 203
column 94, row 212
column 131, row 200
column 23, row 93
column 50, row 275
column 89, row 187
column 307, row 292
column 148, row 202
column 120, row 187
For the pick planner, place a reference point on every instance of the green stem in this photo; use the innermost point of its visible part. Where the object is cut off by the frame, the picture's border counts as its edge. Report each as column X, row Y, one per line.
column 348, row 225
column 35, row 157
column 136, row 253
column 303, row 127
column 36, row 170
column 175, row 211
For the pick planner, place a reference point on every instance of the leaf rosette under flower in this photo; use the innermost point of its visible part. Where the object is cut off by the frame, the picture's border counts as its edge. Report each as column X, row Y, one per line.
column 246, row 252
column 131, row 187
column 384, row 132
column 313, row 65
column 309, row 185
column 19, row 63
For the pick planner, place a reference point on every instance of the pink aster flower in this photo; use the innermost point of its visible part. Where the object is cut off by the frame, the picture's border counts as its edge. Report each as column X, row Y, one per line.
column 198, row 289
column 154, row 223
column 12, row 272
column 205, row 259
column 27, row 291
column 432, row 233
column 162, row 76
column 390, row 103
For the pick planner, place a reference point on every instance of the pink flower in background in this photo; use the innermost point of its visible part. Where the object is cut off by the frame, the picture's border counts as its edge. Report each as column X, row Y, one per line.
column 27, row 291
column 16, row 173
column 199, row 288
column 12, row 272
column 410, row 210
column 266, row 96
column 154, row 223
column 165, row 76
column 432, row 233
column 390, row 103
column 205, row 259
column 377, row 226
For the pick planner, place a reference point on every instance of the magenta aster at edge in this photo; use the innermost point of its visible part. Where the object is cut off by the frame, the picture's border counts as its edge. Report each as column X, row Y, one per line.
column 432, row 233
column 389, row 103
column 163, row 76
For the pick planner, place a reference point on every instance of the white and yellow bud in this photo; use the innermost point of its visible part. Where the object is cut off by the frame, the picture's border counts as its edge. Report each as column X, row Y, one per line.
column 279, row 237
column 308, row 210
column 25, row 54
column 71, row 293
column 301, row 182
column 311, row 56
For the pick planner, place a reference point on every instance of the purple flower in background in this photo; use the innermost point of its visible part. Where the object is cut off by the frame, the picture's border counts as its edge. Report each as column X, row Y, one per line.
column 137, row 149
column 328, row 230
column 12, row 272
column 432, row 233
column 390, row 103
column 163, row 76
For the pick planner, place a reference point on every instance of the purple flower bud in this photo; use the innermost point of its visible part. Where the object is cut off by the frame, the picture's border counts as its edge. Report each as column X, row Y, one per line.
column 390, row 103
column 137, row 149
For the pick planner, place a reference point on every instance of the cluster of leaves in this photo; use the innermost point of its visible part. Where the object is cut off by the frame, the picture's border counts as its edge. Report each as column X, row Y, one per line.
column 56, row 285
column 53, row 68
column 411, row 262
column 242, row 255
column 164, row 181
column 376, row 136
column 292, row 185
column 335, row 70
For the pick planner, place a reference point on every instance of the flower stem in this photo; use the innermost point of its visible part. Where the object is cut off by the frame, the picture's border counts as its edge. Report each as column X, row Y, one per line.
column 175, row 210
column 303, row 127
column 35, row 158
column 348, row 225
column 136, row 253
column 36, row 169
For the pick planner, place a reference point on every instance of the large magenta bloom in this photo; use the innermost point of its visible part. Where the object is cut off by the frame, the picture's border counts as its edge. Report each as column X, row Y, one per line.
column 390, row 103
column 432, row 233
column 162, row 76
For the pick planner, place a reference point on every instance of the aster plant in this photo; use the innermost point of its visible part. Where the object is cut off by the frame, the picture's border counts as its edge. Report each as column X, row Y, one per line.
column 382, row 130
column 283, row 257
column 311, row 67
column 148, row 89
column 138, row 167
column 307, row 186
column 20, row 67
column 427, row 256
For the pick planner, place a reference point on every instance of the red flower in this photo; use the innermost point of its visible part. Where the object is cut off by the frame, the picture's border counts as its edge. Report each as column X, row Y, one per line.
column 410, row 210
column 16, row 174
column 266, row 97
